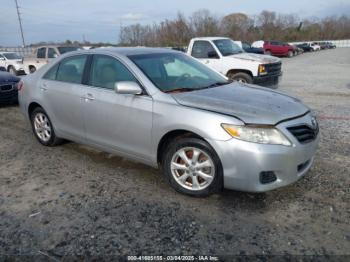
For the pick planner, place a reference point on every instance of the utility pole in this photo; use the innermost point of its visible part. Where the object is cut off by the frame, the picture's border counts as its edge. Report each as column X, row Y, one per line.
column 20, row 23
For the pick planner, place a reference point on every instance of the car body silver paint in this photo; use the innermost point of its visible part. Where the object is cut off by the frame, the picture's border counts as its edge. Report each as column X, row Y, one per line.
column 142, row 121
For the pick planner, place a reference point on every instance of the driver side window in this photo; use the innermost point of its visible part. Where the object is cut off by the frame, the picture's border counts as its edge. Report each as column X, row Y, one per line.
column 106, row 71
column 201, row 49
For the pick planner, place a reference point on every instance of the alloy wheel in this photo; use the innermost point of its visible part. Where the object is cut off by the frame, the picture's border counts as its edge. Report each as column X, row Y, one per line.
column 42, row 127
column 192, row 168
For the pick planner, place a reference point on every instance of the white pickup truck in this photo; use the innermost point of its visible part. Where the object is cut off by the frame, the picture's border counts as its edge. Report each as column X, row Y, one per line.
column 226, row 57
column 43, row 54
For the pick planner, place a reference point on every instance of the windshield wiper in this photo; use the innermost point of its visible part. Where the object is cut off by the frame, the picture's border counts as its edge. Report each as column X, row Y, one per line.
column 217, row 84
column 182, row 89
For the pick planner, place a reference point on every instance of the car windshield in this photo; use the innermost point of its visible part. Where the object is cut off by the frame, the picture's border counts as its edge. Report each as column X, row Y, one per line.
column 227, row 47
column 11, row 56
column 175, row 72
column 67, row 49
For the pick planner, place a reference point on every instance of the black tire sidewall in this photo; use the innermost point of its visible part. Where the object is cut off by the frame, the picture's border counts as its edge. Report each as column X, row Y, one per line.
column 53, row 138
column 241, row 75
column 173, row 147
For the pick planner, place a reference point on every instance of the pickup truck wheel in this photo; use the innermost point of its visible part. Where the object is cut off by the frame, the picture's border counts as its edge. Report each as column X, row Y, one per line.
column 43, row 129
column 12, row 70
column 290, row 54
column 240, row 77
column 32, row 69
column 192, row 167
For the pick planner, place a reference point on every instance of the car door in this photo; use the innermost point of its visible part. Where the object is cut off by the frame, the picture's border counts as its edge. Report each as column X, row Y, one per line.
column 205, row 52
column 40, row 59
column 62, row 93
column 116, row 122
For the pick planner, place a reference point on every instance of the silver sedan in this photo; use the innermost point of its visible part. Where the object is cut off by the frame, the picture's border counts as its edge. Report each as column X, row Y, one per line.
column 167, row 110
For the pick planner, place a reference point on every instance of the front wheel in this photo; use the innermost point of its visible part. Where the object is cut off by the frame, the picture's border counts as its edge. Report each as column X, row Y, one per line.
column 43, row 129
column 192, row 167
column 240, row 77
column 290, row 54
column 12, row 70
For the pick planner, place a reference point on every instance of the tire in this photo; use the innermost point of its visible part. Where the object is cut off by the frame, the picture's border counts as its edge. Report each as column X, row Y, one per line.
column 43, row 129
column 268, row 52
column 12, row 70
column 290, row 54
column 32, row 69
column 241, row 77
column 208, row 179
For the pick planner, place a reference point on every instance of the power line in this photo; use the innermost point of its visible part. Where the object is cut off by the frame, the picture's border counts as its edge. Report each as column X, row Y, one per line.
column 20, row 23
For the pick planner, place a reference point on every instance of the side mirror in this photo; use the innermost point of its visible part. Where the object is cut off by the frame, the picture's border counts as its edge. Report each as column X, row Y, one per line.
column 55, row 55
column 127, row 87
column 212, row 54
column 2, row 58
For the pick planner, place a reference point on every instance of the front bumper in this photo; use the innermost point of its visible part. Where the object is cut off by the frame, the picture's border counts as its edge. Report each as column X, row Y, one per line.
column 7, row 94
column 269, row 80
column 244, row 162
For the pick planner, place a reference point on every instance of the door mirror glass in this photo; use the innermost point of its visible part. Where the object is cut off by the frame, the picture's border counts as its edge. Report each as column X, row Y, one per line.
column 127, row 87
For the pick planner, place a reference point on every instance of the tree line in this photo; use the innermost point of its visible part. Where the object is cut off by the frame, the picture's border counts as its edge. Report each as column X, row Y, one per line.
column 238, row 26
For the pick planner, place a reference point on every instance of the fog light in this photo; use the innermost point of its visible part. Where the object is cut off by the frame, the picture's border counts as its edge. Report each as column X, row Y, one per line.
column 267, row 177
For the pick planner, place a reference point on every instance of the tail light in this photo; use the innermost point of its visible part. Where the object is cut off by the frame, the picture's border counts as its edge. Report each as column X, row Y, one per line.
column 20, row 85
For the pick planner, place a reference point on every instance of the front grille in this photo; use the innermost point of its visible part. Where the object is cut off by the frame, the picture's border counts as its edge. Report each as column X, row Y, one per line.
column 6, row 88
column 273, row 69
column 304, row 133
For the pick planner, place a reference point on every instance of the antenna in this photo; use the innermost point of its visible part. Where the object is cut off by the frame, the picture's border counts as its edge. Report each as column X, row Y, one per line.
column 20, row 23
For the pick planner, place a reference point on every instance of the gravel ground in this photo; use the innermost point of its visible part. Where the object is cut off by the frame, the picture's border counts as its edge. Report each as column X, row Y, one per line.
column 72, row 200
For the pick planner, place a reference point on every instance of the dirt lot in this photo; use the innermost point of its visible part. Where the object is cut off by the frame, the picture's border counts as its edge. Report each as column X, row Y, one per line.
column 72, row 200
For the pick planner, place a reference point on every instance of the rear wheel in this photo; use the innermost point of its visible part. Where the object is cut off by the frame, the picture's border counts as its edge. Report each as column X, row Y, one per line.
column 268, row 52
column 192, row 167
column 32, row 69
column 290, row 54
column 240, row 77
column 43, row 129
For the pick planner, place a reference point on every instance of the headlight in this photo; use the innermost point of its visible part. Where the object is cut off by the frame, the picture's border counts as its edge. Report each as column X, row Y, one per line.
column 262, row 70
column 257, row 134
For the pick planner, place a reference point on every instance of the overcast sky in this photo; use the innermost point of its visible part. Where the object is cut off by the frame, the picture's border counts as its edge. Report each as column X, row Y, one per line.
column 100, row 20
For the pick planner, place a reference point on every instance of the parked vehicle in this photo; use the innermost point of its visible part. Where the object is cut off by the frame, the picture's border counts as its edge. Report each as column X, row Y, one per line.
column 42, row 55
column 249, row 49
column 330, row 45
column 275, row 48
column 12, row 62
column 8, row 88
column 323, row 45
column 226, row 57
column 315, row 46
column 165, row 109
column 306, row 47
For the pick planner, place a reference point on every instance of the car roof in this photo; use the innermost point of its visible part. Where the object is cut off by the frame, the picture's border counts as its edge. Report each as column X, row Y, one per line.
column 125, row 51
column 212, row 38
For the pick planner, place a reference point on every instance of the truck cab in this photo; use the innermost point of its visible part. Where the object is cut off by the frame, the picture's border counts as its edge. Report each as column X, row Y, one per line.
column 43, row 55
column 226, row 57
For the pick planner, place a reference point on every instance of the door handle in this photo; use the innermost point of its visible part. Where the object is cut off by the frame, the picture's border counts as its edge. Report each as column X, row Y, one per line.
column 89, row 97
column 43, row 87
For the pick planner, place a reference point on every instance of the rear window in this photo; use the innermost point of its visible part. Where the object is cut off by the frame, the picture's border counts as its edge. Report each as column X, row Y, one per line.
column 67, row 49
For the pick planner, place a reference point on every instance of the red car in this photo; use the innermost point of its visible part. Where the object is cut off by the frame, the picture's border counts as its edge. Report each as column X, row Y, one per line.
column 278, row 48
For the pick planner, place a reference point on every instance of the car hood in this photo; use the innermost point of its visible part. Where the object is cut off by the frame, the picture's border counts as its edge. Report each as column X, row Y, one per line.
column 7, row 77
column 264, row 59
column 251, row 104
